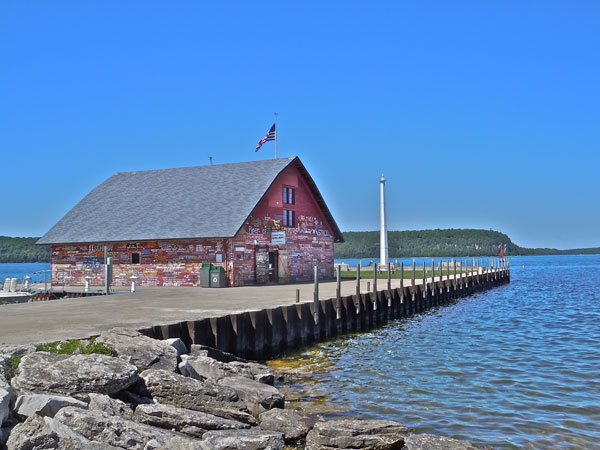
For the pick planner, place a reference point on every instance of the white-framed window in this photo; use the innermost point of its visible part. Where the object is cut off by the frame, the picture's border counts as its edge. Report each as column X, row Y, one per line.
column 289, row 219
column 289, row 196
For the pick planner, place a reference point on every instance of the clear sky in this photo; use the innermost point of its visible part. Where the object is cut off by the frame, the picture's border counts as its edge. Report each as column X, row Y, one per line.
column 481, row 114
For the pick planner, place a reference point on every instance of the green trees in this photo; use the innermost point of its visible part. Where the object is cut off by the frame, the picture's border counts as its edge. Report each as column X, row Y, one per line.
column 438, row 243
column 22, row 250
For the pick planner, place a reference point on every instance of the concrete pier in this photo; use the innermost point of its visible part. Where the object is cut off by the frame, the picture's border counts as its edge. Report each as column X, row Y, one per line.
column 253, row 322
column 263, row 334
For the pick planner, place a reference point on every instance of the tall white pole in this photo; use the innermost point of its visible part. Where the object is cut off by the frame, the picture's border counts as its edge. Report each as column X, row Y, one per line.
column 383, row 242
column 276, row 133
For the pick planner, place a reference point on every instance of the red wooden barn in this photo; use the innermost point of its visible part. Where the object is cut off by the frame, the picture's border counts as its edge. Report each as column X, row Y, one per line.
column 263, row 222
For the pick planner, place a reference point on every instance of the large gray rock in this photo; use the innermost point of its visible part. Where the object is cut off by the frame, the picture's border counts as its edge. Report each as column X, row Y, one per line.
column 145, row 352
column 258, row 397
column 260, row 372
column 294, row 425
column 431, row 442
column 204, row 367
column 43, row 405
column 354, row 433
column 32, row 434
column 7, row 353
column 187, row 421
column 177, row 344
column 113, row 430
column 42, row 372
column 204, row 350
column 242, row 439
column 69, row 439
column 38, row 433
column 205, row 396
column 110, row 406
column 6, row 397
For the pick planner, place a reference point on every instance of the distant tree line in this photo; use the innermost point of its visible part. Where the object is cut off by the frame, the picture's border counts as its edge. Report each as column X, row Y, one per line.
column 358, row 244
column 440, row 243
column 22, row 250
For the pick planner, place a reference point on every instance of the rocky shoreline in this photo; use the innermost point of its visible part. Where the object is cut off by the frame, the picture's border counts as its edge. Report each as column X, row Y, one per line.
column 159, row 394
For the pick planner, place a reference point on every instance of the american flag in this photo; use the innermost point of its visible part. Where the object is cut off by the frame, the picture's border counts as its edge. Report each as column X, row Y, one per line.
column 270, row 136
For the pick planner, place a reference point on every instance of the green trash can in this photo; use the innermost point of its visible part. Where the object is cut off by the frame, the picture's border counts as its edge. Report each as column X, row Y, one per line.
column 217, row 277
column 205, row 275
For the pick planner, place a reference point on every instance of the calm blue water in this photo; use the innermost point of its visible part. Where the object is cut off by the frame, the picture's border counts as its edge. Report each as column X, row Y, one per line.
column 514, row 367
column 21, row 270
column 408, row 261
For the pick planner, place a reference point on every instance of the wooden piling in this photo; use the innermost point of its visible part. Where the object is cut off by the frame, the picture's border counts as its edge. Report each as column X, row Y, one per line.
column 358, row 288
column 424, row 290
column 338, row 293
column 316, row 294
column 401, row 283
column 374, row 295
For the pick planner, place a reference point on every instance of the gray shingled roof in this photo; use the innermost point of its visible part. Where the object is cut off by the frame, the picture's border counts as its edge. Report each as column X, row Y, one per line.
column 189, row 202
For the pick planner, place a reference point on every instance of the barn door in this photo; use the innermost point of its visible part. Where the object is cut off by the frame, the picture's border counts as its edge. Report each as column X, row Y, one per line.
column 261, row 265
column 282, row 266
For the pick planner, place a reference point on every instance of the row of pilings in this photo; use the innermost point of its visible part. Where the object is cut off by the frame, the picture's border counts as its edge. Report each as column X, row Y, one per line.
column 260, row 335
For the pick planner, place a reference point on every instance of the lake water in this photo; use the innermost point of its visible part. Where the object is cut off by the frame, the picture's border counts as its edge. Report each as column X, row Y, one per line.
column 514, row 367
column 408, row 261
column 21, row 270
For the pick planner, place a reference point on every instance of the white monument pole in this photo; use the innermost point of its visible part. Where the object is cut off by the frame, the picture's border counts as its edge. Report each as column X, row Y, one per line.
column 383, row 242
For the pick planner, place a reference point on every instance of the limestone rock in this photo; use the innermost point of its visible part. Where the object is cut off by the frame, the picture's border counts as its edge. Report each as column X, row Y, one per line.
column 258, row 397
column 179, row 443
column 42, row 372
column 432, row 442
column 7, row 352
column 204, row 350
column 260, row 372
column 145, row 352
column 205, row 396
column 43, row 405
column 113, row 430
column 353, row 433
column 177, row 344
column 187, row 421
column 45, row 433
column 32, row 434
column 6, row 397
column 204, row 367
column 110, row 406
column 294, row 425
column 70, row 440
column 242, row 439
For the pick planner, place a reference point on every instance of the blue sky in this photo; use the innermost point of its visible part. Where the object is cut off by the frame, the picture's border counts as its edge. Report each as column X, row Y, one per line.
column 480, row 114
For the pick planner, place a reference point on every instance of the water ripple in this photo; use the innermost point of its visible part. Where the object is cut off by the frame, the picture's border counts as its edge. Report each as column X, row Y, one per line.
column 515, row 367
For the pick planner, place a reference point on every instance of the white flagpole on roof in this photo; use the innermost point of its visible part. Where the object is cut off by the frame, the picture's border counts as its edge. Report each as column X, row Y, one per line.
column 275, row 135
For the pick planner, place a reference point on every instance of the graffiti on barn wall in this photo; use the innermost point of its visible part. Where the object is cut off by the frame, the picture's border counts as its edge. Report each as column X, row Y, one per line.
column 309, row 241
column 161, row 263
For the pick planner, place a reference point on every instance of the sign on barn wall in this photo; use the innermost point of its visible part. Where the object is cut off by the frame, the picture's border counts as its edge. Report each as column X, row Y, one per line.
column 278, row 237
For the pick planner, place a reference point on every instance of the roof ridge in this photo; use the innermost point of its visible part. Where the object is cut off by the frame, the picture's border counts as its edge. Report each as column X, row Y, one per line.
column 289, row 158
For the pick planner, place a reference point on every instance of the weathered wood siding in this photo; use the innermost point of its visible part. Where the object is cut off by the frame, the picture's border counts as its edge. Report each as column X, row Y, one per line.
column 308, row 243
column 177, row 262
column 163, row 263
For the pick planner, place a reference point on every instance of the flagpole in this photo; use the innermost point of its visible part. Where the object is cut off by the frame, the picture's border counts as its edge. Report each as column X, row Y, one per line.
column 275, row 135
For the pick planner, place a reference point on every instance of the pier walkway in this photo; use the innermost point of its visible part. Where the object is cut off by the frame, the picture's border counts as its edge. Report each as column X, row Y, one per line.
column 74, row 318
column 151, row 306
